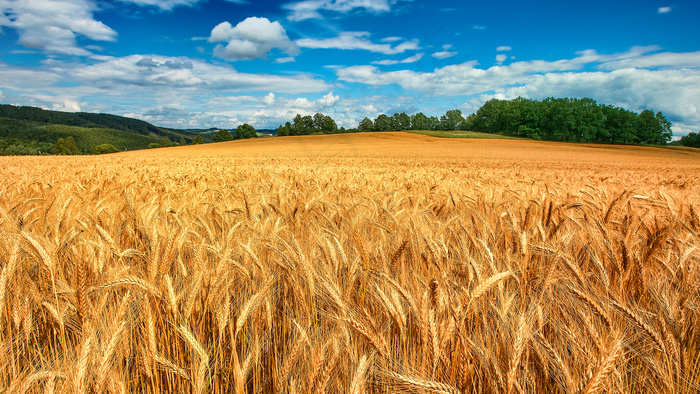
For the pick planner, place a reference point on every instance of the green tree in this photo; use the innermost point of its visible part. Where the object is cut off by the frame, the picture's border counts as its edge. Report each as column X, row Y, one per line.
column 222, row 136
column 165, row 142
column 692, row 140
column 366, row 125
column 104, row 148
column 197, row 140
column 401, row 121
column 182, row 141
column 383, row 123
column 329, row 125
column 419, row 121
column 66, row 146
column 245, row 131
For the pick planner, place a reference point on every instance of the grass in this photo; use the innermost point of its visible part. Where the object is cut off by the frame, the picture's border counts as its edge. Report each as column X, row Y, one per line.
column 462, row 134
column 363, row 263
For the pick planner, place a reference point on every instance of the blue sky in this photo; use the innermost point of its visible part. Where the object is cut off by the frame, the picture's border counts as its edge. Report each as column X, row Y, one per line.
column 217, row 63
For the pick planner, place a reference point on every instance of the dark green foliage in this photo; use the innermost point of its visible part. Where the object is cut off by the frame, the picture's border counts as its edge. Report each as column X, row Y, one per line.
column 245, row 131
column 103, row 149
column 29, row 130
column 305, row 125
column 570, row 120
column 165, row 142
column 197, row 140
column 222, row 136
column 65, row 146
column 692, row 140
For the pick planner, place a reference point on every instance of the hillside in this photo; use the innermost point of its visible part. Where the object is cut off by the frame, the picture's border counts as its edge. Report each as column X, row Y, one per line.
column 30, row 130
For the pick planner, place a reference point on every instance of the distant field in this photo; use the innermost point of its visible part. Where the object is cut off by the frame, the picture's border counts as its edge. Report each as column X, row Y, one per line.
column 461, row 134
column 377, row 262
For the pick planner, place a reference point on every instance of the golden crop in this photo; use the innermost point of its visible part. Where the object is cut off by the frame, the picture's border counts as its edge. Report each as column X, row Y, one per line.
column 376, row 263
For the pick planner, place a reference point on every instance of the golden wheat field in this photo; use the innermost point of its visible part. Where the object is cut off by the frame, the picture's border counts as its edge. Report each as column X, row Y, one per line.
column 365, row 263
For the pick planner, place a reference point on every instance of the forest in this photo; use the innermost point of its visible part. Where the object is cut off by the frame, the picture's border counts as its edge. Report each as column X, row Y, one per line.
column 35, row 131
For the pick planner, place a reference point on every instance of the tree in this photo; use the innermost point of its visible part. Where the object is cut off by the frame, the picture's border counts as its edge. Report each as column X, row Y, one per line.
column 222, row 136
column 419, row 121
column 383, row 123
column 182, row 141
column 245, row 131
column 104, row 148
column 452, row 120
column 284, row 130
column 66, row 146
column 692, row 140
column 366, row 125
column 329, row 125
column 319, row 122
column 198, row 140
column 401, row 121
column 165, row 142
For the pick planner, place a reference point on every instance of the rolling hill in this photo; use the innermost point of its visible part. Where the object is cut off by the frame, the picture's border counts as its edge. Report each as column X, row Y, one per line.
column 31, row 130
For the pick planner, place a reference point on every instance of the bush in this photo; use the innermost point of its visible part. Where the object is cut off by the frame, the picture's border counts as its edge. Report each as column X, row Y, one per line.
column 104, row 148
column 222, row 136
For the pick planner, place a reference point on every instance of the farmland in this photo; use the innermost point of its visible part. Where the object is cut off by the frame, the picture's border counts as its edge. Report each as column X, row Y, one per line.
column 377, row 263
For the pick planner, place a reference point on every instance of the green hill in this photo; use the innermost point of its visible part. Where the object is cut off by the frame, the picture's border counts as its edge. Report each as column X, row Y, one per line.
column 31, row 130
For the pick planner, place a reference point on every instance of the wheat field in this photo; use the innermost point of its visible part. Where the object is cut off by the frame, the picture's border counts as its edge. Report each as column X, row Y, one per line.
column 368, row 263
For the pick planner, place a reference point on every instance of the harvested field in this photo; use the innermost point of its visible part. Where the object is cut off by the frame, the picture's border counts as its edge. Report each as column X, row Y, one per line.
column 377, row 263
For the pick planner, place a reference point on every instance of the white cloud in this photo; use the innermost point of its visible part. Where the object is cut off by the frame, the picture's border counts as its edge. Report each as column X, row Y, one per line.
column 501, row 58
column 664, row 10
column 503, row 48
column 408, row 60
column 282, row 60
column 328, row 100
column 357, row 40
column 269, row 99
column 52, row 25
column 478, row 27
column 137, row 76
column 252, row 38
column 311, row 9
column 445, row 53
column 163, row 4
column 67, row 106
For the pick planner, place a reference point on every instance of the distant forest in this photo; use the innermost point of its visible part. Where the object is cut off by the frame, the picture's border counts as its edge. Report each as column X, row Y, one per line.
column 33, row 131
column 552, row 119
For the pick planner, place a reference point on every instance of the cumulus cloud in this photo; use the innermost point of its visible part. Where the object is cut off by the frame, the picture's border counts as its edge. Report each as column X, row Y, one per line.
column 388, row 62
column 250, row 39
column 501, row 58
column 53, row 25
column 503, row 48
column 311, row 9
column 357, row 40
column 269, row 99
column 67, row 106
column 664, row 10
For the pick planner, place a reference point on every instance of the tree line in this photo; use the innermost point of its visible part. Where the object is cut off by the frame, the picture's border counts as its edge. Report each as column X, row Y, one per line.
column 553, row 119
column 571, row 120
